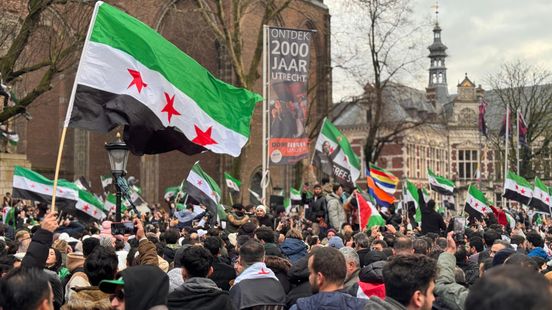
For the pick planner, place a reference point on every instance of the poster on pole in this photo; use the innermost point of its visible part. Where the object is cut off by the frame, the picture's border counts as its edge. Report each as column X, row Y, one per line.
column 288, row 60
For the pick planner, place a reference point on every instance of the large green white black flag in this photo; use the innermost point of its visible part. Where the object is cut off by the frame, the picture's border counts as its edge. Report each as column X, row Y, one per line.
column 289, row 55
column 335, row 156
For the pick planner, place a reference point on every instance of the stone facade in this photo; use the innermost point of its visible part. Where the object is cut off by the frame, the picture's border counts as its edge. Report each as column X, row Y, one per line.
column 84, row 152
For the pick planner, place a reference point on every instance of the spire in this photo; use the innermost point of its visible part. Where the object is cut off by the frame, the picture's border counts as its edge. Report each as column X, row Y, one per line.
column 437, row 83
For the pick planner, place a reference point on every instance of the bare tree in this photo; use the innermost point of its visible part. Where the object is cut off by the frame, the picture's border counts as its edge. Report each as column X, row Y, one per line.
column 44, row 44
column 526, row 88
column 391, row 37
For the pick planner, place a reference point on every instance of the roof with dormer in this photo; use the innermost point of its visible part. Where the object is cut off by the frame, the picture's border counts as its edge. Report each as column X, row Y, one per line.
column 466, row 82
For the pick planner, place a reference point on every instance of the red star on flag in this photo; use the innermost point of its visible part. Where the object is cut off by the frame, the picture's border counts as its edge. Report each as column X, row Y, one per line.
column 60, row 190
column 547, row 199
column 86, row 208
column 523, row 190
column 345, row 158
column 476, row 204
column 483, row 209
column 263, row 271
column 136, row 80
column 517, row 187
column 33, row 186
column 169, row 107
column 331, row 149
column 199, row 182
column 203, row 138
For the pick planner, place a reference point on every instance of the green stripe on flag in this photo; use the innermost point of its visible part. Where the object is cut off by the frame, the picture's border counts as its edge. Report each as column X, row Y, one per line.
column 330, row 131
column 121, row 31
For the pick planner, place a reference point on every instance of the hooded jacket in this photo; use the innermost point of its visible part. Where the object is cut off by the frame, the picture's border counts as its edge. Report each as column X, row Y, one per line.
column 329, row 300
column 449, row 293
column 145, row 287
column 85, row 298
column 223, row 274
column 336, row 213
column 294, row 249
column 198, row 294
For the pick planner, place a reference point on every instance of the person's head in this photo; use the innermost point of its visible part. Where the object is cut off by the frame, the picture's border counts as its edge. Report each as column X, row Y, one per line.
column 431, row 204
column 213, row 244
column 522, row 260
column 361, row 241
column 337, row 189
column 420, row 246
column 172, row 235
column 378, row 245
column 490, row 236
column 352, row 260
column 331, row 233
column 410, row 279
column 100, row 265
column 196, row 261
column 23, row 239
column 265, row 234
column 497, row 246
column 534, row 240
column 519, row 241
column 237, row 207
column 27, row 289
column 485, row 265
column 403, row 246
column 475, row 245
column 294, row 233
column 510, row 287
column 260, row 211
column 251, row 252
column 88, row 245
column 129, row 291
column 327, row 269
column 317, row 189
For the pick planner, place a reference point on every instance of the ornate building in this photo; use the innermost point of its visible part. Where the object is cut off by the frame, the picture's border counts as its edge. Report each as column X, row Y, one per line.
column 448, row 142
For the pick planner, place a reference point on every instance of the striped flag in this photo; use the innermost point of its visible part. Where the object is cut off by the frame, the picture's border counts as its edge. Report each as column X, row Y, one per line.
column 205, row 190
column 231, row 182
column 130, row 75
column 295, row 194
column 30, row 185
column 368, row 214
column 411, row 197
column 382, row 197
column 384, row 179
column 517, row 188
column 476, row 203
column 440, row 184
column 541, row 197
column 106, row 182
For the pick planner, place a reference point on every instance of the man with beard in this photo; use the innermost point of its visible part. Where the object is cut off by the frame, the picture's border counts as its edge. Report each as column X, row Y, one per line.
column 327, row 272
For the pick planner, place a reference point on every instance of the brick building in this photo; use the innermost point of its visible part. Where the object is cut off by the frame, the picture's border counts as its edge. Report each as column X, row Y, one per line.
column 449, row 142
column 179, row 22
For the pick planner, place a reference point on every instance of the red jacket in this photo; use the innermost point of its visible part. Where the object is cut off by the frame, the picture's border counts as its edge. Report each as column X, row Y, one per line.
column 500, row 216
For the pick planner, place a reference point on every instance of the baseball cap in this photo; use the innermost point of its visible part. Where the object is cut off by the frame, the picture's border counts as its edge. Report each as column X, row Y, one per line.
column 109, row 286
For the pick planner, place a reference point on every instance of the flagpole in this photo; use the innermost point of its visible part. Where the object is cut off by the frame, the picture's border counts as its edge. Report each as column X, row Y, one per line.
column 518, row 146
column 506, row 148
column 70, row 106
column 266, row 118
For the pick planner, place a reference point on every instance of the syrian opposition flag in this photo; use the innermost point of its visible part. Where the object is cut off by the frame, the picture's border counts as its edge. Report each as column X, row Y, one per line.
column 295, row 194
column 476, row 203
column 411, row 197
column 335, row 156
column 541, row 197
column 130, row 75
column 368, row 214
column 205, row 190
column 11, row 136
column 440, row 184
column 106, row 181
column 110, row 204
column 30, row 185
column 518, row 189
column 231, row 182
column 171, row 192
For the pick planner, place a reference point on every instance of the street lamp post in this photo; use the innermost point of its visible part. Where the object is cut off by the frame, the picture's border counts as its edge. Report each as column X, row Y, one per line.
column 118, row 157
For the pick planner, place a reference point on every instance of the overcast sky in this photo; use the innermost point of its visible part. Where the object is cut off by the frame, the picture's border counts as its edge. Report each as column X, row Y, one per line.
column 480, row 36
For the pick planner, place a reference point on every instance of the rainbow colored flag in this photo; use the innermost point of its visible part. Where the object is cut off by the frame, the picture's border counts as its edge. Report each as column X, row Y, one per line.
column 384, row 179
column 382, row 198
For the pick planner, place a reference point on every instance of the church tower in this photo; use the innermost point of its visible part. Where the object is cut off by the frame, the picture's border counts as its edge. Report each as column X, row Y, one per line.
column 437, row 89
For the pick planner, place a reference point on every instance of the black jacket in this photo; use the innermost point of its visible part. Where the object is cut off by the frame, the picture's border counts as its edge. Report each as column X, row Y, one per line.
column 198, row 294
column 298, row 276
column 333, row 300
column 432, row 222
column 317, row 208
column 145, row 286
column 222, row 274
column 280, row 267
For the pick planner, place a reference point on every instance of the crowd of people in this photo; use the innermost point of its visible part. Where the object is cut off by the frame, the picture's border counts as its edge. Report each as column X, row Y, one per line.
column 313, row 256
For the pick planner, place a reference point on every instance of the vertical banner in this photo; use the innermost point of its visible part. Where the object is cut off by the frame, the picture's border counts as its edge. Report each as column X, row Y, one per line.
column 289, row 57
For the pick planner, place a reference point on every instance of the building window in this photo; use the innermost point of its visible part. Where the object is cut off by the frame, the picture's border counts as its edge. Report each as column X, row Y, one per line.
column 467, row 164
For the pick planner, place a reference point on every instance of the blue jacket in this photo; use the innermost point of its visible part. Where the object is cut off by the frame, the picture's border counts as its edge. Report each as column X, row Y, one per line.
column 538, row 252
column 294, row 249
column 332, row 300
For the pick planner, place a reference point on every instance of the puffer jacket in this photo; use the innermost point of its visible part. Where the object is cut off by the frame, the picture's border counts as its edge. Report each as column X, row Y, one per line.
column 86, row 298
column 336, row 213
column 294, row 249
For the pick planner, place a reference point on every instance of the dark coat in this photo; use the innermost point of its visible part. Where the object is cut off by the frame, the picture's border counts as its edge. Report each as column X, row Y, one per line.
column 298, row 276
column 272, row 249
column 294, row 249
column 280, row 267
column 317, row 208
column 333, row 300
column 198, row 294
column 222, row 274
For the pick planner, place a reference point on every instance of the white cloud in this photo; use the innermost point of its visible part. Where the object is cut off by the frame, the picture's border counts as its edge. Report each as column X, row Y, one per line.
column 480, row 35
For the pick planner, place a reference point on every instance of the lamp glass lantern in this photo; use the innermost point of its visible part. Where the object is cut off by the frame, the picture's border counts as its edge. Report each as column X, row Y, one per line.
column 118, row 156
